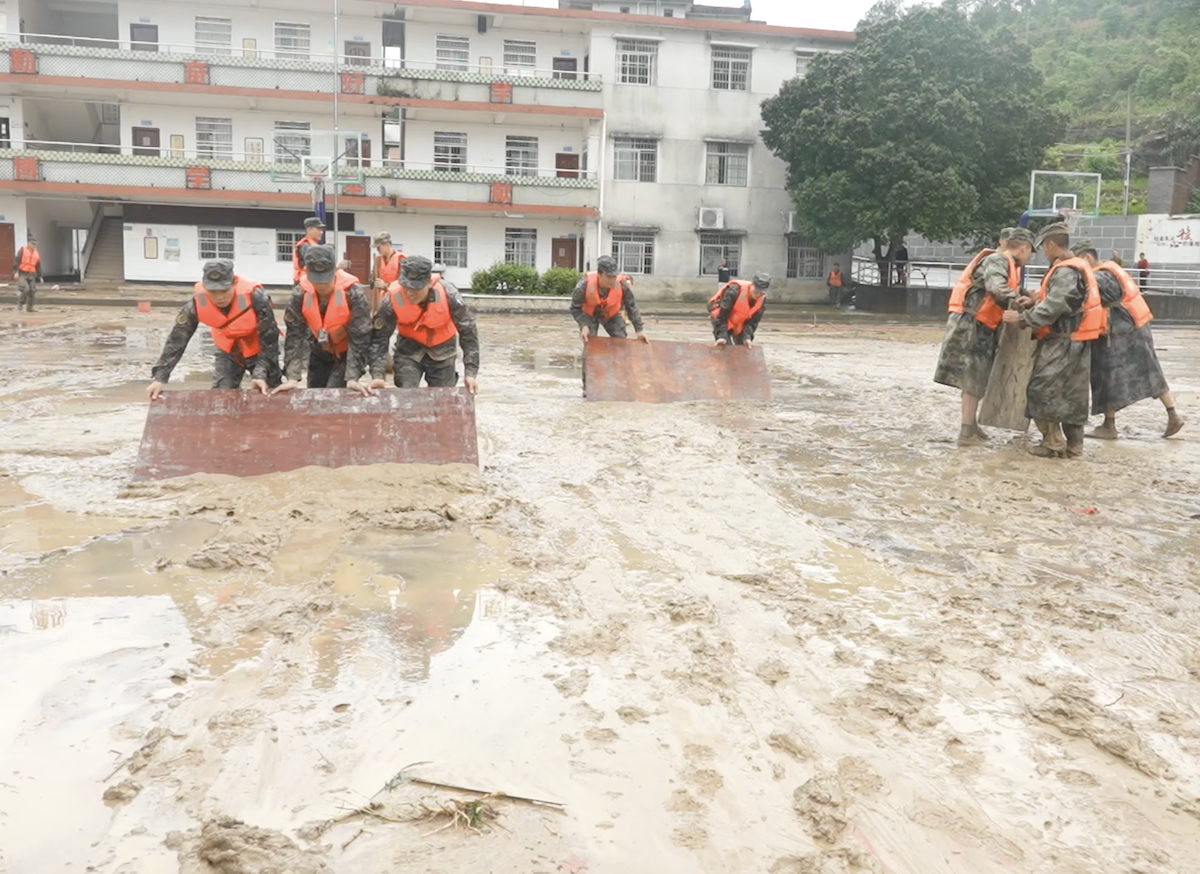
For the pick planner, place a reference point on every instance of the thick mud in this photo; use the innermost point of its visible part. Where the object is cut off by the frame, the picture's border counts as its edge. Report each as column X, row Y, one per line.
column 809, row 637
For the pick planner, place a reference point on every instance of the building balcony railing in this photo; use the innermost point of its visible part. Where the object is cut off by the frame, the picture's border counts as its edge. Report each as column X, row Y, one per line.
column 112, row 60
column 90, row 164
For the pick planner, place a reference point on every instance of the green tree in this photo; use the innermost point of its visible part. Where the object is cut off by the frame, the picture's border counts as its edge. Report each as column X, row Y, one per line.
column 928, row 126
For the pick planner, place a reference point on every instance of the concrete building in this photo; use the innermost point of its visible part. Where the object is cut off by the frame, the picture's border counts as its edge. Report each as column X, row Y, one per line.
column 142, row 137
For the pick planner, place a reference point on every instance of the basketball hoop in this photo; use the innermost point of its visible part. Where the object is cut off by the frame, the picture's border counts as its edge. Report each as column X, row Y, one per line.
column 1071, row 218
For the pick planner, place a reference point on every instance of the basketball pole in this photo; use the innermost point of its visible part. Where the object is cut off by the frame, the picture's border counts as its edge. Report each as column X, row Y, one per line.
column 337, row 87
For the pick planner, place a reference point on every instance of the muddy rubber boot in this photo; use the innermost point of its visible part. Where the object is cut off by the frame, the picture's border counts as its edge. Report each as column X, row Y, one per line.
column 1175, row 423
column 1053, row 444
column 967, row 437
column 980, row 433
column 1107, row 431
column 1074, row 435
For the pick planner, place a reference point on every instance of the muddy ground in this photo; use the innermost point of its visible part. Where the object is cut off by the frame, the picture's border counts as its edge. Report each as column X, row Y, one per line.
column 810, row 637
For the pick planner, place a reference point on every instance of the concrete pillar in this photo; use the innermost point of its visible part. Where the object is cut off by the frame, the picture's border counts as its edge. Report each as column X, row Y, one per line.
column 1169, row 192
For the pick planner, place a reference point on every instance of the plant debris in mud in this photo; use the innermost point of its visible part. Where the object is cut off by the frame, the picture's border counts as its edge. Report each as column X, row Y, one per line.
column 475, row 815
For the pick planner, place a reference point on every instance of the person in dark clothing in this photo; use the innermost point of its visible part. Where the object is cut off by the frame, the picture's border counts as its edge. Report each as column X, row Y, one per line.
column 1143, row 267
column 901, row 265
column 328, row 324
column 599, row 299
column 723, row 273
column 243, row 330
column 430, row 320
column 737, row 309
column 28, row 273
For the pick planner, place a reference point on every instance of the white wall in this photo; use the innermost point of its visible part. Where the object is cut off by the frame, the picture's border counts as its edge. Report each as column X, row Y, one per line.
column 486, row 143
column 12, row 211
column 412, row 234
column 421, row 42
column 177, row 24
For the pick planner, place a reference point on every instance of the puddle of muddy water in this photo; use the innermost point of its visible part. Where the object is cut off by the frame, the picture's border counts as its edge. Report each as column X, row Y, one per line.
column 565, row 364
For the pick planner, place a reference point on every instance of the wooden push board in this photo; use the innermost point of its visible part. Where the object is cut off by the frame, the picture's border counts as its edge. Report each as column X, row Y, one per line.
column 663, row 372
column 1003, row 404
column 247, row 434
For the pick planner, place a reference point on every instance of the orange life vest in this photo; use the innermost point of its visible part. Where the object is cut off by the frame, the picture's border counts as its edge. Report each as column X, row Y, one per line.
column 297, row 265
column 835, row 279
column 743, row 310
column 607, row 306
column 336, row 321
column 1095, row 317
column 30, row 259
column 1131, row 296
column 990, row 314
column 389, row 271
column 430, row 325
column 239, row 330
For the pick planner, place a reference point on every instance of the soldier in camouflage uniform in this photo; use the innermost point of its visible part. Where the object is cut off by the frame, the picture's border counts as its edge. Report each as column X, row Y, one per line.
column 217, row 290
column 969, row 346
column 333, row 346
column 589, row 311
column 1058, row 392
column 1125, row 366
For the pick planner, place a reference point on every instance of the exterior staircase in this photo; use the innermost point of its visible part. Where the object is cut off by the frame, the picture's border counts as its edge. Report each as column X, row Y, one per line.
column 106, row 267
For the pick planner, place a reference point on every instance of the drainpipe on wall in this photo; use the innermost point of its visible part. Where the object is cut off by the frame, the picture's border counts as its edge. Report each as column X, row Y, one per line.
column 600, row 181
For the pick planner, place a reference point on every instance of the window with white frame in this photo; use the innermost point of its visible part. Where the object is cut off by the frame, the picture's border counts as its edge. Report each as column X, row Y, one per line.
column 634, row 251
column 520, row 246
column 293, row 141
column 803, row 59
column 214, row 36
column 453, row 52
column 449, row 152
column 805, row 260
column 727, row 164
column 214, row 137
column 293, row 39
column 520, row 55
column 636, row 62
column 635, row 160
column 715, row 248
column 450, row 245
column 521, row 156
column 216, row 243
column 730, row 68
column 285, row 244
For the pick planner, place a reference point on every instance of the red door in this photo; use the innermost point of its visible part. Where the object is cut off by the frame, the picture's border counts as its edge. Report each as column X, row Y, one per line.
column 563, row 253
column 146, row 142
column 567, row 165
column 358, row 253
column 8, row 249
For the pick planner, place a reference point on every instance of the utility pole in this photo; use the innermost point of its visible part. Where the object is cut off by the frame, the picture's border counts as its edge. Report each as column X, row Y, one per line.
column 337, row 144
column 1128, row 148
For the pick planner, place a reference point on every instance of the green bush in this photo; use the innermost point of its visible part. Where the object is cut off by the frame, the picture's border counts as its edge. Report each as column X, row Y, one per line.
column 505, row 279
column 559, row 281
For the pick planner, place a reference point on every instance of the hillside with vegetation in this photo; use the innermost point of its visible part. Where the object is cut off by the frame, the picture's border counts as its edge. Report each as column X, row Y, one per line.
column 1100, row 57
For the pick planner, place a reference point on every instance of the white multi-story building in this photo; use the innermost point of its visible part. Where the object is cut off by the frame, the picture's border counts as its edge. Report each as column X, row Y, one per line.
column 142, row 137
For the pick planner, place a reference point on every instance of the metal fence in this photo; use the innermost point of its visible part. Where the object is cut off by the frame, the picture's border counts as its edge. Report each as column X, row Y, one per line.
column 942, row 274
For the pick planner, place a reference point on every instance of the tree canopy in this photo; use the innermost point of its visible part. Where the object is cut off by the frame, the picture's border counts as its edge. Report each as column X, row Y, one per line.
column 930, row 125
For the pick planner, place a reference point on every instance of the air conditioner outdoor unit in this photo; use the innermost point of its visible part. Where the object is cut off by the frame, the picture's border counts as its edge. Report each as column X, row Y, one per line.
column 711, row 219
column 791, row 223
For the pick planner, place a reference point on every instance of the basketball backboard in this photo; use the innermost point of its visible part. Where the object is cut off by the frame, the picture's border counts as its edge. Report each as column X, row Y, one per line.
column 1052, row 192
column 331, row 157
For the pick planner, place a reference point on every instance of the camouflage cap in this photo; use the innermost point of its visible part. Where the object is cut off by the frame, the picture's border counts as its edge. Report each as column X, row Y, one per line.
column 1006, row 234
column 320, row 263
column 1055, row 229
column 1017, row 236
column 380, row 239
column 415, row 272
column 218, row 275
column 762, row 281
column 1084, row 247
column 314, row 222
column 607, row 265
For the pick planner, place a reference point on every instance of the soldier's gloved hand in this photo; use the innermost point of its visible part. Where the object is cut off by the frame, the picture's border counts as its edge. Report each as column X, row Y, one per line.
column 584, row 333
column 356, row 386
column 260, row 385
column 642, row 336
column 287, row 385
column 155, row 390
column 472, row 385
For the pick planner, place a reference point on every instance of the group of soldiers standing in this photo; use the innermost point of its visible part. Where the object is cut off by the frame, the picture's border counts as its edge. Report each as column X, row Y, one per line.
column 1093, row 339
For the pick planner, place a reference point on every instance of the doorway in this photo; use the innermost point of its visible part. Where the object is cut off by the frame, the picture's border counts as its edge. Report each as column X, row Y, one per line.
column 358, row 253
column 8, row 249
column 564, row 252
column 143, row 37
column 567, row 165
column 358, row 53
column 146, row 142
column 566, row 68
